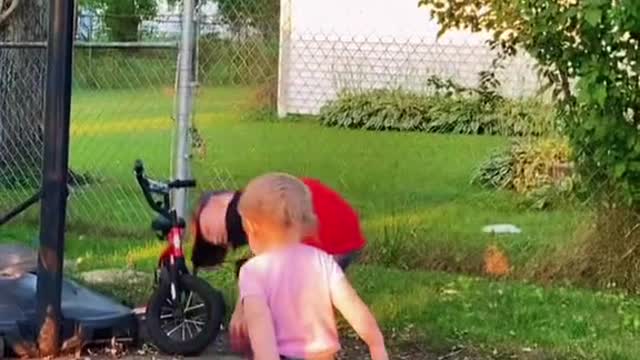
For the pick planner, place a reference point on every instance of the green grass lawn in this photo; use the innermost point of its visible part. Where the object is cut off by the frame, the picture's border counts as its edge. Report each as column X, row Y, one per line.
column 435, row 309
column 413, row 192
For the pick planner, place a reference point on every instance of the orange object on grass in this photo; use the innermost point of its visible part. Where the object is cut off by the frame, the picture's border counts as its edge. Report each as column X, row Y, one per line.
column 496, row 263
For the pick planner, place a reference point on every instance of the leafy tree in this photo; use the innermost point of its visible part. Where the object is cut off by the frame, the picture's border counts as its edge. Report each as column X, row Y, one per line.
column 123, row 17
column 592, row 44
column 263, row 15
column 242, row 15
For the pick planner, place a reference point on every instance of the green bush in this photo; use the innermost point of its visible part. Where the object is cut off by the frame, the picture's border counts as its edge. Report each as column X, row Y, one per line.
column 587, row 52
column 440, row 113
column 540, row 169
column 496, row 172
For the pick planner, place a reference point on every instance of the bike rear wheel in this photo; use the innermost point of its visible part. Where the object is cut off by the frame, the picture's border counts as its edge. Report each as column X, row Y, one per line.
column 189, row 324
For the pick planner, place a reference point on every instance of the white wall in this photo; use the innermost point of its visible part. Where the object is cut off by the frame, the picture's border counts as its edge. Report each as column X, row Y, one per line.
column 331, row 45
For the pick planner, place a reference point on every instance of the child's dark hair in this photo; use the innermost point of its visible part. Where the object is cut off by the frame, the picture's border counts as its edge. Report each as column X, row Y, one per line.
column 204, row 253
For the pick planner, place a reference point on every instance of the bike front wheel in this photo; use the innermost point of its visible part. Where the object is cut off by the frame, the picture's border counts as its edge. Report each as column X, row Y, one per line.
column 187, row 325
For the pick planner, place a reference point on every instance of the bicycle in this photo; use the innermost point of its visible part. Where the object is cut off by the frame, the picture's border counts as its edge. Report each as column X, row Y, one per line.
column 184, row 314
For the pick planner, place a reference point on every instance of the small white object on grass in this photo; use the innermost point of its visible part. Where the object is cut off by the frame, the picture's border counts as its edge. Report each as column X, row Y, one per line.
column 501, row 229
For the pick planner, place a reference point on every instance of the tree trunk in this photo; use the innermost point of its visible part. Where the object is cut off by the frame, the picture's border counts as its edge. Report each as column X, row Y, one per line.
column 22, row 89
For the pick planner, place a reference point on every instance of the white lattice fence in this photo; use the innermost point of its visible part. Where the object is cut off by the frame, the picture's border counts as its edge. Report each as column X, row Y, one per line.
column 365, row 48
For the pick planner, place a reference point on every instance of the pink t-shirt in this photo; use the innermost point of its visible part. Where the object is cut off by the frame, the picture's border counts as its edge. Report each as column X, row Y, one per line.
column 296, row 282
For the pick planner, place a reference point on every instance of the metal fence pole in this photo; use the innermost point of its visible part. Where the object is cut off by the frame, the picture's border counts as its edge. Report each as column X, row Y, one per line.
column 54, row 174
column 185, row 93
column 283, row 57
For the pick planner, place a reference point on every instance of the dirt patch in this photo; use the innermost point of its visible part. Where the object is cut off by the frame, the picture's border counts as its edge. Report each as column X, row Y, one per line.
column 356, row 349
column 399, row 347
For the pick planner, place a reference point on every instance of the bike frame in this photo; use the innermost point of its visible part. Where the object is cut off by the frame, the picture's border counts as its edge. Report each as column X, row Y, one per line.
column 171, row 263
column 172, row 258
column 173, row 250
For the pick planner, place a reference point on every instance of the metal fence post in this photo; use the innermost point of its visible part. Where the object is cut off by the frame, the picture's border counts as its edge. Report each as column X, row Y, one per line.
column 283, row 57
column 55, row 174
column 185, row 104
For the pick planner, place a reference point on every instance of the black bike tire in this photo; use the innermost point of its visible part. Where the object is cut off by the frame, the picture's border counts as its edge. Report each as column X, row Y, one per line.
column 214, row 304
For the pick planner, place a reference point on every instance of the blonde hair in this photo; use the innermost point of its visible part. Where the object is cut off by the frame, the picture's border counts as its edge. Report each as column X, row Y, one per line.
column 279, row 199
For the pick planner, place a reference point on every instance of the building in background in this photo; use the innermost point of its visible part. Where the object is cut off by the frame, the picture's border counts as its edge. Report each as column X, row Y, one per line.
column 334, row 45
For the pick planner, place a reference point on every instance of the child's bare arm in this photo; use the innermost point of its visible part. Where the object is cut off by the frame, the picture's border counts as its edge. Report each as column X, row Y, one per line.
column 260, row 327
column 356, row 312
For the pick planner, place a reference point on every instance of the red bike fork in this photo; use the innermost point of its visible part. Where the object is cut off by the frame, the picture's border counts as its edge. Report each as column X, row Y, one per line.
column 175, row 253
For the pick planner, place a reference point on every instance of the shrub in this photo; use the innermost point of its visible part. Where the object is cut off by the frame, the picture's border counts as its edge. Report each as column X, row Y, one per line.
column 588, row 53
column 537, row 163
column 538, row 168
column 440, row 113
column 496, row 172
column 605, row 253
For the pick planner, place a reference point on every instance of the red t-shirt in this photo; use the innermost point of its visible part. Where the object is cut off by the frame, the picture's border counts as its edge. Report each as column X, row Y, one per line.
column 339, row 230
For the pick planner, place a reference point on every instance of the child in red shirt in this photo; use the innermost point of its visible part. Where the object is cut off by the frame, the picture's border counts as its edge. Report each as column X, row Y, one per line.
column 218, row 226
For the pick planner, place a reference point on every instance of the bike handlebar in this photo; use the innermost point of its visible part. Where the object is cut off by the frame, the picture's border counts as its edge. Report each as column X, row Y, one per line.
column 150, row 187
column 180, row 184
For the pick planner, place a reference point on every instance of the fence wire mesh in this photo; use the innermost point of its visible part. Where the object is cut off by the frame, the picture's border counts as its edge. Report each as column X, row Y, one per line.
column 319, row 66
column 20, row 125
column 249, row 61
column 463, row 171
column 122, row 110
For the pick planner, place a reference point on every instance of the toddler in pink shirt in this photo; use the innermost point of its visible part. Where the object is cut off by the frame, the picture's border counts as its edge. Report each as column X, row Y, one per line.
column 289, row 290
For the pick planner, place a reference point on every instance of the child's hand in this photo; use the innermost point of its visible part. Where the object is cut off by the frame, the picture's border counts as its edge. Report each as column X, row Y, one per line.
column 358, row 315
column 379, row 353
column 238, row 331
column 262, row 334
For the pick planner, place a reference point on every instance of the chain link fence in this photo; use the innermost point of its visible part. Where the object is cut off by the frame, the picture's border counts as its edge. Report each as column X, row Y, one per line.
column 22, row 84
column 251, row 61
column 122, row 109
column 21, row 126
column 461, row 200
column 317, row 67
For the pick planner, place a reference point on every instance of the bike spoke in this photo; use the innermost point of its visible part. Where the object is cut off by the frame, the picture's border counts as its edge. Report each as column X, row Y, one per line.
column 200, row 318
column 188, row 302
column 186, row 324
column 194, row 307
column 166, row 316
column 192, row 320
column 175, row 329
column 197, row 324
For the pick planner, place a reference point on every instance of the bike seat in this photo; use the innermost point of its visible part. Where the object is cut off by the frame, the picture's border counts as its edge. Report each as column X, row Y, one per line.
column 161, row 225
